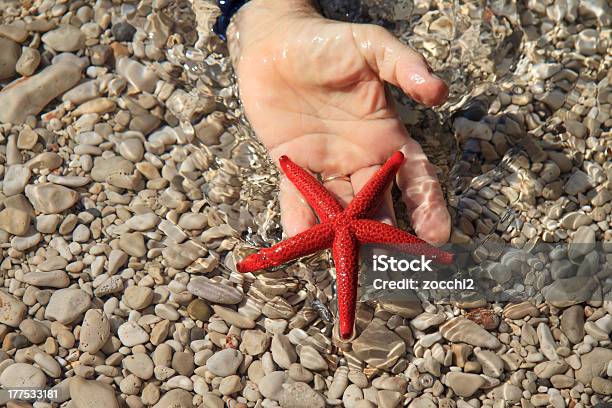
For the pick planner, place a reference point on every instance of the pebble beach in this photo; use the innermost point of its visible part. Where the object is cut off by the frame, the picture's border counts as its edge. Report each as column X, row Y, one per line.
column 131, row 184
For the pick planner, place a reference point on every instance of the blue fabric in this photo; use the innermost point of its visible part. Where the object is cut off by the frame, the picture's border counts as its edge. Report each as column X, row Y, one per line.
column 228, row 9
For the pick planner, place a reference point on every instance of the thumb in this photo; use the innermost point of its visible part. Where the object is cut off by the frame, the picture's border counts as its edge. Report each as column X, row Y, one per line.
column 399, row 65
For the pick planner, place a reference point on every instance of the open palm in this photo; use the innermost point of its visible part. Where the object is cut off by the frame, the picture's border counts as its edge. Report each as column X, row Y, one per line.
column 314, row 90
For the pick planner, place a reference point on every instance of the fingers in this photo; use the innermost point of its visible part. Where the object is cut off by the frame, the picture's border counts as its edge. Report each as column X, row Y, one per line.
column 384, row 212
column 341, row 189
column 399, row 65
column 296, row 215
column 423, row 196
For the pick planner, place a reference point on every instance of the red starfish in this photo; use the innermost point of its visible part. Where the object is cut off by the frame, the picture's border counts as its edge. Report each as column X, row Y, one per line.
column 342, row 229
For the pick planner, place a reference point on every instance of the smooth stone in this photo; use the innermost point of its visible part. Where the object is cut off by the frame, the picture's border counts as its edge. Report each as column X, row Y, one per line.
column 300, row 395
column 105, row 167
column 30, row 95
column 271, row 385
column 49, row 198
column 492, row 364
column 225, row 362
column 9, row 55
column 47, row 224
column 593, row 364
column 133, row 244
column 12, row 310
column 547, row 369
column 45, row 160
column 65, row 38
column 215, row 292
column 51, row 279
column 69, row 181
column 67, row 305
column 234, row 318
column 507, row 392
column 547, row 342
column 582, row 243
column 601, row 386
column 283, row 352
column 98, row 106
column 426, row 320
column 193, row 221
column 567, row 292
column 138, row 75
column 138, row 297
column 15, row 221
column 572, row 323
column 254, row 342
column 21, row 375
column 27, row 139
column 462, row 330
column 15, row 179
column 143, row 222
column 180, row 256
column 91, row 394
column 578, row 183
column 379, row 346
column 132, row 149
column 311, row 359
column 123, row 31
column 131, row 334
column 28, row 61
column 95, row 331
column 176, row 398
column 139, row 364
column 15, row 32
column 199, row 310
column 521, row 310
column 82, row 93
column 116, row 260
column 464, row 384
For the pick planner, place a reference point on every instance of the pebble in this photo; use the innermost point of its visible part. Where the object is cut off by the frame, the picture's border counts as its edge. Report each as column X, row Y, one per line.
column 311, row 359
column 65, row 38
column 67, row 305
column 379, row 346
column 520, row 310
column 123, row 31
column 32, row 94
column 131, row 334
column 91, row 394
column 95, row 331
column 300, row 395
column 138, row 297
column 593, row 364
column 254, row 342
column 138, row 75
column 15, row 179
column 49, row 198
column 21, row 375
column 215, row 292
column 225, row 362
column 462, row 330
column 175, row 398
column 139, row 364
column 234, row 318
column 547, row 369
column 9, row 55
column 578, row 183
column 271, row 385
column 283, row 352
column 15, row 221
column 12, row 310
column 572, row 323
column 464, row 384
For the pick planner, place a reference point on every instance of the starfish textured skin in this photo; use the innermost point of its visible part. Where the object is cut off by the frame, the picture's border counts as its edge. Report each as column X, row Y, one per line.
column 342, row 229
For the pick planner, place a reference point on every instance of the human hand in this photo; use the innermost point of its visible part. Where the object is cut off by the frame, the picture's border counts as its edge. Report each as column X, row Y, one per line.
column 314, row 89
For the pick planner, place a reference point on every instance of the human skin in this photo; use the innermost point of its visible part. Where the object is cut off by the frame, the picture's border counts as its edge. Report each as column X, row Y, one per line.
column 314, row 89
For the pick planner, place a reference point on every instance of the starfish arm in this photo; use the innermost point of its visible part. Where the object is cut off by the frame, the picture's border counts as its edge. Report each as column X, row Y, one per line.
column 321, row 201
column 345, row 254
column 369, row 231
column 312, row 240
column 370, row 195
